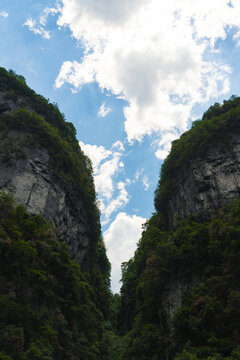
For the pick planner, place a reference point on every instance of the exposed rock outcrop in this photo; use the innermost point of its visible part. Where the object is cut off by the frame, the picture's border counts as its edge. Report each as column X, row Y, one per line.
column 31, row 179
column 175, row 293
column 206, row 184
column 28, row 172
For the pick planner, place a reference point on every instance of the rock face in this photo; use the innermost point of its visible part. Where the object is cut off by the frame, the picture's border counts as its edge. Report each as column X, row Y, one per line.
column 206, row 184
column 8, row 104
column 175, row 293
column 30, row 177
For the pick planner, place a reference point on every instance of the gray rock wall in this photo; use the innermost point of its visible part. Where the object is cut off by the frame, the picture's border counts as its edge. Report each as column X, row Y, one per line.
column 30, row 178
column 207, row 184
column 174, row 295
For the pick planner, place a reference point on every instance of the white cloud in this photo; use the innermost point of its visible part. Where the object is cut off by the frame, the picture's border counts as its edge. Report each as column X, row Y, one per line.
column 152, row 54
column 103, row 110
column 164, row 145
column 118, row 144
column 96, row 153
column 117, row 203
column 237, row 38
column 107, row 165
column 37, row 29
column 146, row 183
column 46, row 12
column 138, row 174
column 103, row 178
column 121, row 238
column 38, row 26
column 4, row 14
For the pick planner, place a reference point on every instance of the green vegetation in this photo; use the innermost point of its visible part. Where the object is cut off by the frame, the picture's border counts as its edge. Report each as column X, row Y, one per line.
column 206, row 326
column 212, row 131
column 180, row 297
column 16, row 90
column 44, row 126
column 48, row 308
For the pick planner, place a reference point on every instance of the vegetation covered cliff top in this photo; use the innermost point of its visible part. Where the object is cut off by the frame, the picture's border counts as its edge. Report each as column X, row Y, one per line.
column 46, row 126
column 16, row 90
column 213, row 131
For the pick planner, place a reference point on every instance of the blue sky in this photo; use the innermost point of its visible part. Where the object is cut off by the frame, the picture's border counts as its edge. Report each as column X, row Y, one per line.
column 131, row 76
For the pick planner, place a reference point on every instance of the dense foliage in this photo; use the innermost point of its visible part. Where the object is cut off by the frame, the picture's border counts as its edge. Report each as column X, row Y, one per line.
column 203, row 254
column 44, row 126
column 180, row 297
column 16, row 90
column 50, row 309
column 212, row 131
column 47, row 307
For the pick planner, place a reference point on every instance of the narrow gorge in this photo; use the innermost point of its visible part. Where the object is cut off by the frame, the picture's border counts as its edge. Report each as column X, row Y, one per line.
column 180, row 295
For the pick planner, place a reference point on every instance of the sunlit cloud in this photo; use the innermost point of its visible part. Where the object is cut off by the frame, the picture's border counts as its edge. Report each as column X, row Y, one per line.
column 103, row 110
column 164, row 145
column 37, row 29
column 96, row 154
column 153, row 55
column 121, row 238
column 38, row 26
column 107, row 164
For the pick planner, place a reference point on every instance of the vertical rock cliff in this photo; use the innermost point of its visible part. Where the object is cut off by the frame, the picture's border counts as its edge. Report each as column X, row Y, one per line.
column 205, row 184
column 54, row 272
column 32, row 181
column 33, row 171
column 180, row 296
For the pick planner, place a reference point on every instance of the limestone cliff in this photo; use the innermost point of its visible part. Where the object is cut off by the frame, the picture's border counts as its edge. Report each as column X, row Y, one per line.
column 204, row 185
column 202, row 171
column 32, row 170
column 180, row 294
column 32, row 181
column 54, row 272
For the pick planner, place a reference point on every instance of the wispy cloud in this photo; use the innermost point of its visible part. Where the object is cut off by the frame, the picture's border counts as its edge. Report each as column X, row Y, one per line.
column 38, row 26
column 107, row 165
column 138, row 174
column 146, row 183
column 236, row 37
column 37, row 29
column 117, row 203
column 103, row 110
column 4, row 14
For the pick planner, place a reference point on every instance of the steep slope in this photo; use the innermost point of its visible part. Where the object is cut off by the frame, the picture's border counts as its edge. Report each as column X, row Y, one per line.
column 180, row 296
column 54, row 279
column 48, row 309
column 43, row 167
column 202, row 172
